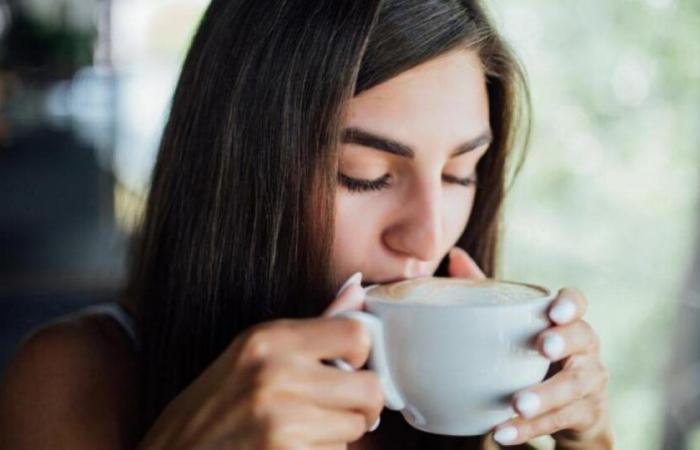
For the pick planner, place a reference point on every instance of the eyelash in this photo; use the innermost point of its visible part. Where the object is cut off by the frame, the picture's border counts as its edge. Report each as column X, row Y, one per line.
column 356, row 185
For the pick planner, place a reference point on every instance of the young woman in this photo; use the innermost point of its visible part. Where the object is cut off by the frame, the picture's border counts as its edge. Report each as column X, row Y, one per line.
column 308, row 140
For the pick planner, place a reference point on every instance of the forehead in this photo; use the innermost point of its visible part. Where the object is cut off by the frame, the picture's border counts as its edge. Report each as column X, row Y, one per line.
column 440, row 102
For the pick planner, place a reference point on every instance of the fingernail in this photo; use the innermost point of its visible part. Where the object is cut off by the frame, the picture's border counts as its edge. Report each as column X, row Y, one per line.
column 528, row 403
column 553, row 346
column 376, row 424
column 453, row 251
column 355, row 278
column 506, row 435
column 342, row 365
column 563, row 312
column 353, row 300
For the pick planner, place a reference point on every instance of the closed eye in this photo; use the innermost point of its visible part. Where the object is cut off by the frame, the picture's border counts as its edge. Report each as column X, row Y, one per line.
column 360, row 185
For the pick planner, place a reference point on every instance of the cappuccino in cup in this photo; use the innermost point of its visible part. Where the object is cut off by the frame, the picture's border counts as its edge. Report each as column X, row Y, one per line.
column 450, row 353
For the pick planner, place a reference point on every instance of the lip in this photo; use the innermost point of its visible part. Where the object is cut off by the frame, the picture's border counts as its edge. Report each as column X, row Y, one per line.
column 366, row 283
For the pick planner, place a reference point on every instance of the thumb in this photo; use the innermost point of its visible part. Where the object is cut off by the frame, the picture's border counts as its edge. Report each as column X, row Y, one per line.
column 461, row 265
column 350, row 296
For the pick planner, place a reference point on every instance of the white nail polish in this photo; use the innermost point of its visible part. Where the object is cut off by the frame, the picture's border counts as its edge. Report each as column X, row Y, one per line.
column 350, row 301
column 376, row 424
column 563, row 312
column 356, row 278
column 553, row 346
column 506, row 435
column 528, row 404
column 342, row 365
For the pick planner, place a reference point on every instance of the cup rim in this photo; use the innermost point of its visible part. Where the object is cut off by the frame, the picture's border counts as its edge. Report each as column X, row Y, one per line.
column 547, row 295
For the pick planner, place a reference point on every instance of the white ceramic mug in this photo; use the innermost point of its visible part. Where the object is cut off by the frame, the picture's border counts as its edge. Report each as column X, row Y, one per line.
column 452, row 366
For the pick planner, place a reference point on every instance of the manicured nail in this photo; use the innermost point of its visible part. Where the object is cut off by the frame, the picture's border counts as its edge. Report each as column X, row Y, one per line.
column 352, row 300
column 376, row 424
column 342, row 365
column 453, row 252
column 528, row 403
column 563, row 312
column 553, row 346
column 356, row 278
column 506, row 435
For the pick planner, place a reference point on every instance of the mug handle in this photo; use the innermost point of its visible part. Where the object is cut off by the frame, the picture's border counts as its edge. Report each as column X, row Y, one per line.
column 377, row 359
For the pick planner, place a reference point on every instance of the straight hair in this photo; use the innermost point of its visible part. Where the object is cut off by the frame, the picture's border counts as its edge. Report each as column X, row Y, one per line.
column 239, row 221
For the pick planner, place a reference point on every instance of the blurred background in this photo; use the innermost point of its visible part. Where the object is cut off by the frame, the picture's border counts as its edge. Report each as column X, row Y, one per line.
column 607, row 200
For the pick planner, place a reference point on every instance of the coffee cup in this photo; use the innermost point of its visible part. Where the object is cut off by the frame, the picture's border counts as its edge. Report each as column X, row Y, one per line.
column 450, row 353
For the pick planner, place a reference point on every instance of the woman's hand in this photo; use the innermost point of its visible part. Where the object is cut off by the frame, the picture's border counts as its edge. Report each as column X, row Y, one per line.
column 270, row 390
column 572, row 404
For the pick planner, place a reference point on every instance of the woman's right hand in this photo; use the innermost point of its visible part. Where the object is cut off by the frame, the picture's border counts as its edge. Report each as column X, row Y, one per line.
column 270, row 390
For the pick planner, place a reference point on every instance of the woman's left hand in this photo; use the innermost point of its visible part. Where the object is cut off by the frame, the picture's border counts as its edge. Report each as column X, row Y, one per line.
column 571, row 404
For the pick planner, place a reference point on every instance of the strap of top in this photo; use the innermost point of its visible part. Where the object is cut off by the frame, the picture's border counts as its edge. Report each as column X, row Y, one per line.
column 121, row 316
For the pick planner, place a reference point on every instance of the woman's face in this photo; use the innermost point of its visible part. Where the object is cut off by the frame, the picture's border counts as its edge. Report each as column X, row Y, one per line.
column 417, row 137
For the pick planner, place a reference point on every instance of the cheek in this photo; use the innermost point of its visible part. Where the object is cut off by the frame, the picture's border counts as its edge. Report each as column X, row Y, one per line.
column 457, row 212
column 356, row 230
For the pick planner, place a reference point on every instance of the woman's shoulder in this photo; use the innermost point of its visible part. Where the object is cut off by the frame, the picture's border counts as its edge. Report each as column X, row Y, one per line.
column 74, row 373
column 85, row 339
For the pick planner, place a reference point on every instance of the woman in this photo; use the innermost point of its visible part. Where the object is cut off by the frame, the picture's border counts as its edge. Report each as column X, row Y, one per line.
column 310, row 140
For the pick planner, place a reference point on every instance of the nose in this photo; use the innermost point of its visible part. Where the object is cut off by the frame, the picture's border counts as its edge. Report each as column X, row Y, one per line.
column 417, row 229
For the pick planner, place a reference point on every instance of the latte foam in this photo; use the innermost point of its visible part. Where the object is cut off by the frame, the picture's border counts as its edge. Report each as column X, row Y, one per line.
column 453, row 291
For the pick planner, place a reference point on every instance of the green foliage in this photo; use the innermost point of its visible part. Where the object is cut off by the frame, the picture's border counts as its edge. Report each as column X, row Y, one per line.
column 606, row 201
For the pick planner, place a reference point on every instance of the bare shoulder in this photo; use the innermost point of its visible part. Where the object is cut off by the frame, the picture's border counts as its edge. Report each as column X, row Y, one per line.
column 72, row 383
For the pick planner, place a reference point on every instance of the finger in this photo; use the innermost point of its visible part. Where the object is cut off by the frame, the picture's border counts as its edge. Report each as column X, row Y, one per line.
column 304, row 423
column 312, row 339
column 327, row 387
column 559, row 342
column 565, row 387
column 580, row 415
column 568, row 306
column 461, row 265
column 350, row 296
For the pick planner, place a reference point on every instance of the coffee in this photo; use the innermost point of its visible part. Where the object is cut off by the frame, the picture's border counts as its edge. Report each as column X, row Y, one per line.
column 451, row 291
column 451, row 352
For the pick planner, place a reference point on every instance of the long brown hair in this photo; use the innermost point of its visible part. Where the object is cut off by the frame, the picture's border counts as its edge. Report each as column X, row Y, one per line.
column 238, row 224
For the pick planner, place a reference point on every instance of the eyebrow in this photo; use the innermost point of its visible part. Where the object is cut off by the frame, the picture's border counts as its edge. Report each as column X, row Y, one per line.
column 366, row 138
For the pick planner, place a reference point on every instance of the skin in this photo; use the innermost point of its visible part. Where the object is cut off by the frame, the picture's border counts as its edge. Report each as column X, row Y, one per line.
column 574, row 405
column 405, row 229
column 270, row 389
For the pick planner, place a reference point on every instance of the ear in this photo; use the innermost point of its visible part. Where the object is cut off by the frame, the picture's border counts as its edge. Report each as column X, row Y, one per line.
column 461, row 265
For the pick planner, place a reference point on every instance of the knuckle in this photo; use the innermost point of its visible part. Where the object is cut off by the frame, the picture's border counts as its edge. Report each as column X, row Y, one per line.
column 356, row 334
column 257, row 346
column 359, row 425
column 577, row 384
column 576, row 361
column 593, row 413
column 373, row 391
column 262, row 340
column 357, row 339
column 529, row 429
column 560, row 420
column 593, row 339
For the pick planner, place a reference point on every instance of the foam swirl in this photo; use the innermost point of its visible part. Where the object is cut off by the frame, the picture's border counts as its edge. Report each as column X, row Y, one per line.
column 455, row 291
